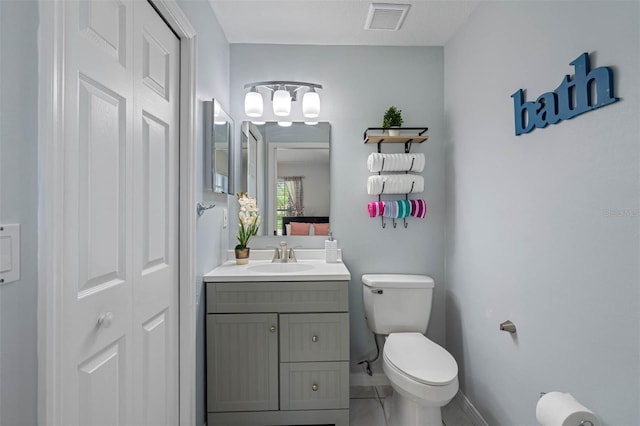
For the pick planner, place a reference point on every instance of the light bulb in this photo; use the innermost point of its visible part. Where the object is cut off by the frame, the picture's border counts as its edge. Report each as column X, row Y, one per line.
column 281, row 103
column 253, row 104
column 311, row 104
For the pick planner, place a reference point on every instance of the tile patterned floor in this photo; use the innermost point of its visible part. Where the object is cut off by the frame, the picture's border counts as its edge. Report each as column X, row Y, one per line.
column 367, row 408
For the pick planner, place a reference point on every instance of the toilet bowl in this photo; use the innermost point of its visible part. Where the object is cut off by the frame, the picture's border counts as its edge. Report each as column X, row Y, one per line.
column 424, row 377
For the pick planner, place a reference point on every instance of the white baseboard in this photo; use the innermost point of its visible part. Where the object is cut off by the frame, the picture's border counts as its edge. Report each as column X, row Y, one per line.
column 467, row 407
column 363, row 379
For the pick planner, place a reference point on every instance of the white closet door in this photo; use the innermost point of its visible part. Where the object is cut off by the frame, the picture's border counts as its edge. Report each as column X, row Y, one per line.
column 155, row 202
column 111, row 342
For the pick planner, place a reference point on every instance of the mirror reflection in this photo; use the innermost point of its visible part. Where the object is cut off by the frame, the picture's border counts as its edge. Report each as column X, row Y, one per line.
column 218, row 133
column 288, row 170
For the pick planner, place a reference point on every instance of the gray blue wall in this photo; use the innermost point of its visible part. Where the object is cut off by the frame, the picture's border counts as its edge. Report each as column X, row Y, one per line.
column 543, row 229
column 19, row 204
column 360, row 83
column 212, row 81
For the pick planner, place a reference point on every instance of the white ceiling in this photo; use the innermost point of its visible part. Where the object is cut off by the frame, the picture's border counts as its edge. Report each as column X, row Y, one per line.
column 337, row 22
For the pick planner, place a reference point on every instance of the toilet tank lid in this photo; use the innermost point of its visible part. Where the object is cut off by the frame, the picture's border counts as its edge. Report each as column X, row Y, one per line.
column 397, row 281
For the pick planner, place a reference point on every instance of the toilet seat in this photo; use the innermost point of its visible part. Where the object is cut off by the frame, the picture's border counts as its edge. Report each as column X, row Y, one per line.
column 422, row 360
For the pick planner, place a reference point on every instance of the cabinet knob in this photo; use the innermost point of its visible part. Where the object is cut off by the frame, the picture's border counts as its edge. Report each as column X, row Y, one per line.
column 273, row 329
column 314, row 338
column 314, row 387
column 105, row 320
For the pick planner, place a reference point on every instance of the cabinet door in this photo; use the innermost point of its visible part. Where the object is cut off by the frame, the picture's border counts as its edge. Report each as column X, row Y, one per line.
column 242, row 362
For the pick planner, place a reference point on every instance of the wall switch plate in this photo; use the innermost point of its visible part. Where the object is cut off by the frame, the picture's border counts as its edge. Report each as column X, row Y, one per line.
column 9, row 253
column 225, row 218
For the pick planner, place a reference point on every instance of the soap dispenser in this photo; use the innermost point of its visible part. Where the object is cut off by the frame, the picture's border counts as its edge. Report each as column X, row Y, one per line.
column 331, row 249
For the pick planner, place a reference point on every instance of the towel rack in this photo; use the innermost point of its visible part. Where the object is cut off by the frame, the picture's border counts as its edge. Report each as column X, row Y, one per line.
column 413, row 160
column 411, row 135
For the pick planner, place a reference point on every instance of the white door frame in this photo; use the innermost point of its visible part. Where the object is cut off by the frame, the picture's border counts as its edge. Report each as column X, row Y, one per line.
column 50, row 207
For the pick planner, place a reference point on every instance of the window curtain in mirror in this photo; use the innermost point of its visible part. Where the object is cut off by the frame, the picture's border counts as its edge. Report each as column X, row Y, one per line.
column 295, row 205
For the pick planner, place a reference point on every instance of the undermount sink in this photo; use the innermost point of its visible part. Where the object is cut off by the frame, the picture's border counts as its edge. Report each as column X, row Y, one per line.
column 280, row 268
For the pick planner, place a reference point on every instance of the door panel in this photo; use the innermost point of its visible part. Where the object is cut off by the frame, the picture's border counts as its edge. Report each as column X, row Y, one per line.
column 101, row 379
column 101, row 202
column 156, row 173
column 156, row 72
column 103, row 22
column 156, row 377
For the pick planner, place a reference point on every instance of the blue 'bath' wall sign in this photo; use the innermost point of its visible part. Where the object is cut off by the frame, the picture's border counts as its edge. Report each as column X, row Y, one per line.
column 571, row 98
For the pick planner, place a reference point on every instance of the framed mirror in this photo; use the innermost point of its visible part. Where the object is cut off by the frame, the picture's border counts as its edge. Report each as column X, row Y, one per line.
column 218, row 134
column 287, row 169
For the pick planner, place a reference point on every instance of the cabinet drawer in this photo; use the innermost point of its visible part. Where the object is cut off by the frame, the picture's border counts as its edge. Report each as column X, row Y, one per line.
column 314, row 385
column 295, row 296
column 314, row 337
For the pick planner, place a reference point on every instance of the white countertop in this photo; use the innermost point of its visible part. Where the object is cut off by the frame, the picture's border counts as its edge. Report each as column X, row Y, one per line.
column 318, row 269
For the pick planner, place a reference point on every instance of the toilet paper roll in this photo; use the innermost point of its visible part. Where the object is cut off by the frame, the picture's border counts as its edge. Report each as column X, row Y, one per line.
column 562, row 409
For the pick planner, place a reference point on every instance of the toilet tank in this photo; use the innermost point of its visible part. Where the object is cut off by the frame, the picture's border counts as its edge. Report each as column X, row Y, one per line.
column 397, row 302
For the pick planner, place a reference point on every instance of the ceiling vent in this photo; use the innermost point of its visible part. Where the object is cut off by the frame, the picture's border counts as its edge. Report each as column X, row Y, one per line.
column 386, row 16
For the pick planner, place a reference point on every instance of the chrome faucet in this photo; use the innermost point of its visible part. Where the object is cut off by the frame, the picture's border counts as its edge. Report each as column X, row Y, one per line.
column 282, row 255
column 283, row 251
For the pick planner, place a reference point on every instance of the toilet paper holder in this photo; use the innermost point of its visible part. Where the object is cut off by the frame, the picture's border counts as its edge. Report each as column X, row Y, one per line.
column 508, row 326
column 582, row 422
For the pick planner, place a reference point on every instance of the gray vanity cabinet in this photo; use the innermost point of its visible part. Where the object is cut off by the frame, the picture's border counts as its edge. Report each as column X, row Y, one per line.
column 277, row 353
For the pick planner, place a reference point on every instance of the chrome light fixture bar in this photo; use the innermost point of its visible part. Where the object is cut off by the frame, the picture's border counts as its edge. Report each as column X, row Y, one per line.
column 281, row 94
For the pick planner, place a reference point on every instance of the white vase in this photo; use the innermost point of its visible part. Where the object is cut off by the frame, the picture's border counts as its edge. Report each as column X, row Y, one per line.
column 394, row 131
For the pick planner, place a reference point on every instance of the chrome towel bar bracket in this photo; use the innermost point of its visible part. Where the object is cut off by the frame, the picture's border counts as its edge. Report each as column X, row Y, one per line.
column 201, row 208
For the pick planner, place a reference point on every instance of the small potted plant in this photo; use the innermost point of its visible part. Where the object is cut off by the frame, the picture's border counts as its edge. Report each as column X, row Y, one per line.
column 392, row 118
column 249, row 224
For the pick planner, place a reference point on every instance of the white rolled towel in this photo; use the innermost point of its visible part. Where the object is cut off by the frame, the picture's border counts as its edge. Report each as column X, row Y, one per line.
column 374, row 185
column 395, row 184
column 378, row 162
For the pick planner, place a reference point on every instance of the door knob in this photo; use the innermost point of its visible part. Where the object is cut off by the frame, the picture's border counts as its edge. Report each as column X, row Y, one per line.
column 273, row 329
column 314, row 387
column 105, row 320
column 314, row 338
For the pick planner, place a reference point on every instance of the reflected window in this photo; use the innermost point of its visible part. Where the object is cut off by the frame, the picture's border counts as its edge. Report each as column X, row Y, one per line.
column 221, row 183
column 289, row 198
column 282, row 197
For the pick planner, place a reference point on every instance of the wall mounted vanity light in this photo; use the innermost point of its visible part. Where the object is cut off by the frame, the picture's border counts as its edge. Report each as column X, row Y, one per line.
column 282, row 94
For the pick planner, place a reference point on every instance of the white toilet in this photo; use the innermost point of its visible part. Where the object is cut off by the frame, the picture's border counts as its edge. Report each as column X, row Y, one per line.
column 424, row 376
